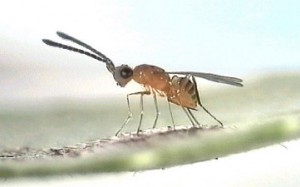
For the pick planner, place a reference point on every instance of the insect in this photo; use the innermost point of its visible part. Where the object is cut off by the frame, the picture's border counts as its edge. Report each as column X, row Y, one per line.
column 179, row 89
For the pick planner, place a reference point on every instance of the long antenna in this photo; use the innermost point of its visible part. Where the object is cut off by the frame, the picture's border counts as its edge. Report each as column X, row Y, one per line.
column 70, row 48
column 67, row 37
column 101, row 57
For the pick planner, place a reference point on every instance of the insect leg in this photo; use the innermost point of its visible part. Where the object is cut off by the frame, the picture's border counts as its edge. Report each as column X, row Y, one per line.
column 188, row 115
column 129, row 117
column 198, row 99
column 156, row 109
column 194, row 118
column 142, row 109
column 171, row 114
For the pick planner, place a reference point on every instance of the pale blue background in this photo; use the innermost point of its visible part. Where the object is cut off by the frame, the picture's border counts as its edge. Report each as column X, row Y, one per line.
column 238, row 38
column 203, row 35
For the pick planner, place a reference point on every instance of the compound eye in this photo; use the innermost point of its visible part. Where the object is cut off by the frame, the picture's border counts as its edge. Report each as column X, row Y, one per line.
column 126, row 72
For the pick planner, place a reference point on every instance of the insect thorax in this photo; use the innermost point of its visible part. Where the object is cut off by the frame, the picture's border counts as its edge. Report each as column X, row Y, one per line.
column 151, row 76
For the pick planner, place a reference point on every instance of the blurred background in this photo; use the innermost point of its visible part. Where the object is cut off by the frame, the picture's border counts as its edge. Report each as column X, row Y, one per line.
column 52, row 97
column 43, row 89
column 238, row 38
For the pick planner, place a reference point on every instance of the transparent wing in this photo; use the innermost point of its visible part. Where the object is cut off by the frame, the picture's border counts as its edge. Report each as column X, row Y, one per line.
column 212, row 77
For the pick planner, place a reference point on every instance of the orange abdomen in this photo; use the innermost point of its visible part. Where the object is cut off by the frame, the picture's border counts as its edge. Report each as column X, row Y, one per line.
column 183, row 92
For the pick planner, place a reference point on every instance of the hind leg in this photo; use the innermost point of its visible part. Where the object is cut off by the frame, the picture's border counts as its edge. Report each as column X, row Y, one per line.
column 200, row 104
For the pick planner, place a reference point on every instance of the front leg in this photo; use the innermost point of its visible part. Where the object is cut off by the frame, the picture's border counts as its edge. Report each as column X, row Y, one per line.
column 129, row 117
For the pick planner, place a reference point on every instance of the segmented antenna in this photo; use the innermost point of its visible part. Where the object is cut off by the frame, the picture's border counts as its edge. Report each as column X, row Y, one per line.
column 99, row 56
column 63, row 46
